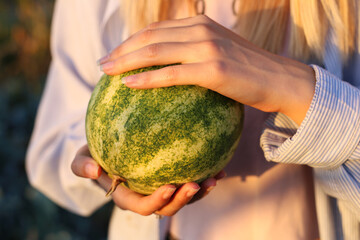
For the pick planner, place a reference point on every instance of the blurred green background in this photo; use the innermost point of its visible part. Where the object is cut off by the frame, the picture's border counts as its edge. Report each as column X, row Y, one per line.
column 24, row 59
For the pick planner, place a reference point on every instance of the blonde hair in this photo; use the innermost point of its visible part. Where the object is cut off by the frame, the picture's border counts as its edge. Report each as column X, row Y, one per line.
column 265, row 23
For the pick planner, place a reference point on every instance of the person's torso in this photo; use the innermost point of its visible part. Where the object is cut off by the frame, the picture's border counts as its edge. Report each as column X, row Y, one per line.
column 258, row 199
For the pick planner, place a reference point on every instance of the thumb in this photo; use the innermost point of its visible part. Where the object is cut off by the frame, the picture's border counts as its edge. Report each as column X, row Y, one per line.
column 84, row 165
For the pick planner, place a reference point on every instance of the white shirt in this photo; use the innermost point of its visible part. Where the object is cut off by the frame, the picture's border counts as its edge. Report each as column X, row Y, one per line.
column 259, row 199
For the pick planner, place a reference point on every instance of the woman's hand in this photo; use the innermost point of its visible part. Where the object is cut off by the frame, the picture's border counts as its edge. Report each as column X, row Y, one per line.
column 214, row 57
column 166, row 200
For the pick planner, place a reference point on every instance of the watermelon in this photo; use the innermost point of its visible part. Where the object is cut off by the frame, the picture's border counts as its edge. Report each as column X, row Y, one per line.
column 152, row 137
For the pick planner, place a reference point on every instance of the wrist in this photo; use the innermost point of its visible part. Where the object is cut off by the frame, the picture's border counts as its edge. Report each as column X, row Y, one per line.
column 281, row 85
column 297, row 91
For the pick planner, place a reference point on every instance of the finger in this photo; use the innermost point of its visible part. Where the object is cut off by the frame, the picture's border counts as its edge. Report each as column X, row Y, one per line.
column 220, row 175
column 179, row 30
column 208, row 185
column 84, row 150
column 184, row 74
column 105, row 181
column 168, row 53
column 154, row 54
column 180, row 22
column 181, row 197
column 151, row 36
column 84, row 165
column 148, row 36
column 205, row 188
column 144, row 205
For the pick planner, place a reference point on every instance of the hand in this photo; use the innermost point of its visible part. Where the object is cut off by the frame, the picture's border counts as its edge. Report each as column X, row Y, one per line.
column 166, row 200
column 214, row 57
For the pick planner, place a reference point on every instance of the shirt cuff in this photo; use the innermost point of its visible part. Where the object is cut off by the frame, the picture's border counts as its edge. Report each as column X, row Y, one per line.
column 329, row 133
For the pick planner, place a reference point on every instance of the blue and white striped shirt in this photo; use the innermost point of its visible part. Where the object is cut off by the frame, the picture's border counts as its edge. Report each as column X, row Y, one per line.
column 327, row 140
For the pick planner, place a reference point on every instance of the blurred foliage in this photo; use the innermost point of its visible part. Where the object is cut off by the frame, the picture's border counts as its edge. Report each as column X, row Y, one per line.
column 24, row 39
column 24, row 60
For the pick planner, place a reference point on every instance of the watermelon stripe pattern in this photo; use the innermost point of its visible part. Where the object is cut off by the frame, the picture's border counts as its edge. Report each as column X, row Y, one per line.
column 161, row 136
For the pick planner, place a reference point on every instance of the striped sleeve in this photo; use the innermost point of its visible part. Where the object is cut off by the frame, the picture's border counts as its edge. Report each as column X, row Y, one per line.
column 327, row 140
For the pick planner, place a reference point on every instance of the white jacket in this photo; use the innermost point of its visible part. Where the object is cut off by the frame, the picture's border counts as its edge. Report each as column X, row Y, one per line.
column 257, row 193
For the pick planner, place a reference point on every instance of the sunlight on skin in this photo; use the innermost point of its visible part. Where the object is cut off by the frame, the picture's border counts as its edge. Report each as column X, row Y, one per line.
column 218, row 59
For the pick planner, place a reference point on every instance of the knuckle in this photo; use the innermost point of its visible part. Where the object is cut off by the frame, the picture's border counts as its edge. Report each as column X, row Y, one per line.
column 153, row 25
column 144, row 212
column 170, row 73
column 144, row 208
column 218, row 67
column 166, row 212
column 216, row 74
column 204, row 29
column 211, row 47
column 146, row 35
column 78, row 166
column 74, row 167
column 153, row 50
column 202, row 18
column 169, row 214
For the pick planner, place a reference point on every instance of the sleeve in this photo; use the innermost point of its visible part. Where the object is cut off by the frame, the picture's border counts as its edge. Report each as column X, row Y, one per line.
column 59, row 129
column 328, row 139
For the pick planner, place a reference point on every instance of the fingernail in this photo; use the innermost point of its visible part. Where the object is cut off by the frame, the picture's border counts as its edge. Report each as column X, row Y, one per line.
column 192, row 192
column 91, row 170
column 130, row 80
column 168, row 193
column 103, row 60
column 221, row 175
column 107, row 66
column 210, row 188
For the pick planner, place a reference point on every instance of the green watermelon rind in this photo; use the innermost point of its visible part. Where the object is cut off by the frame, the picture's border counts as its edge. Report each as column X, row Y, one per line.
column 179, row 134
